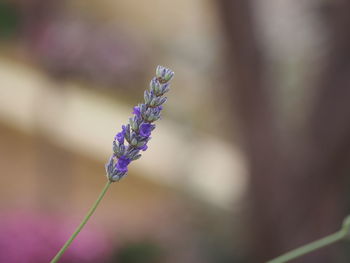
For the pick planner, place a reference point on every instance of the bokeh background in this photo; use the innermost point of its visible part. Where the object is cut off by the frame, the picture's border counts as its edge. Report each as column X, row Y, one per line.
column 250, row 159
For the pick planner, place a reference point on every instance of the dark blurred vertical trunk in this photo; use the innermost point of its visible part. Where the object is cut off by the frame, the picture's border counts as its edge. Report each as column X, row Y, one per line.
column 250, row 92
column 329, row 132
column 296, row 196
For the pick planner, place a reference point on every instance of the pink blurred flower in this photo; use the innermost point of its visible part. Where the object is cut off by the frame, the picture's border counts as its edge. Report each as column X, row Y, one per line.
column 36, row 237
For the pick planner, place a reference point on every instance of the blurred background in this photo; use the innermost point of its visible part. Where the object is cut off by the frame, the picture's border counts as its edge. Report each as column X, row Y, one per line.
column 250, row 159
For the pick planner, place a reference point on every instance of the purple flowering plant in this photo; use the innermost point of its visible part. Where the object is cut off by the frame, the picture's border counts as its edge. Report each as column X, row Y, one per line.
column 131, row 140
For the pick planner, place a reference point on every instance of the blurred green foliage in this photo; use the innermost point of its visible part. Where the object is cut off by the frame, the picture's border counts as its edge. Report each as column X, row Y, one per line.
column 140, row 252
column 9, row 19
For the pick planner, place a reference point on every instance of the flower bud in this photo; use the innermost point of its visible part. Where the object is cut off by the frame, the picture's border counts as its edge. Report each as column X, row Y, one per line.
column 164, row 74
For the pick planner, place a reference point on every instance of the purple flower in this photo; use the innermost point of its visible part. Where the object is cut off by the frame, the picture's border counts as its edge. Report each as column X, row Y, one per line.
column 157, row 110
column 145, row 129
column 137, row 132
column 121, row 135
column 143, row 148
column 122, row 164
column 137, row 111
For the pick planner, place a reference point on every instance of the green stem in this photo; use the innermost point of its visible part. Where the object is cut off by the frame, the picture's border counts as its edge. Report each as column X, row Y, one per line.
column 82, row 224
column 320, row 243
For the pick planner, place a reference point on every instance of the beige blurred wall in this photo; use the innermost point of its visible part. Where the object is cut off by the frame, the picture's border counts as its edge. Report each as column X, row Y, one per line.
column 184, row 35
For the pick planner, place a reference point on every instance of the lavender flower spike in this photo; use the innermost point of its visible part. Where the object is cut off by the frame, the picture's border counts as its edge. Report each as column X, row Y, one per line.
column 137, row 133
column 132, row 139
